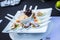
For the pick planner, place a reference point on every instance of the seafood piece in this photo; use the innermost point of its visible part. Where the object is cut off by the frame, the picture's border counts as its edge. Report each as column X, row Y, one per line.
column 22, row 17
column 15, row 26
column 39, row 14
column 34, row 25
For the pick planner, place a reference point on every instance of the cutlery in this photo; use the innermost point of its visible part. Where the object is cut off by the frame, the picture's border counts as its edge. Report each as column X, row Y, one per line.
column 30, row 8
column 45, row 19
column 8, row 18
column 43, row 24
column 35, row 7
column 10, row 15
column 24, row 7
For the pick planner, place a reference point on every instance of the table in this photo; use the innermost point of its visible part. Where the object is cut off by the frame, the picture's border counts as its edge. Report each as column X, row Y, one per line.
column 53, row 32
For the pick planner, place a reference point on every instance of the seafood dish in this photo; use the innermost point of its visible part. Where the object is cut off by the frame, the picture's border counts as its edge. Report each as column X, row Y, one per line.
column 29, row 21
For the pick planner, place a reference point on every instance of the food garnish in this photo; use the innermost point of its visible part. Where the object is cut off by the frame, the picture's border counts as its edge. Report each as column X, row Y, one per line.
column 15, row 26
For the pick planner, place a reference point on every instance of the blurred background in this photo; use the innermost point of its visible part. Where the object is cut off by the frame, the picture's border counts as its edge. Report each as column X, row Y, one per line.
column 12, row 9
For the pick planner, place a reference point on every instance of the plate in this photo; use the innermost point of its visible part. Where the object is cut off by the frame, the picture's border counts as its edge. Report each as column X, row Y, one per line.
column 43, row 29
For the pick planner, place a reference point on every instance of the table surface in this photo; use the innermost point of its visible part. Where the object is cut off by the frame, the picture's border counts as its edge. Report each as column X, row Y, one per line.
column 52, row 33
column 13, row 9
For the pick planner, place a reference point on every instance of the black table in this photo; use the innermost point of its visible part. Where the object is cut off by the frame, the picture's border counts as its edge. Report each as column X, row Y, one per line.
column 13, row 9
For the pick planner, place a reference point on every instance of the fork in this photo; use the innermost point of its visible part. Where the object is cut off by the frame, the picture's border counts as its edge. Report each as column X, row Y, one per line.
column 8, row 17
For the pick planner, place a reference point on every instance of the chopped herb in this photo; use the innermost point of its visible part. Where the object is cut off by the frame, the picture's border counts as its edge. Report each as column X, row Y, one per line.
column 16, row 25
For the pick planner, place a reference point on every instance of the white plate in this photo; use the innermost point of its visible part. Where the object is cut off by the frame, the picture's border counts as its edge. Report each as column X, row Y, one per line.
column 47, row 12
column 52, row 31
